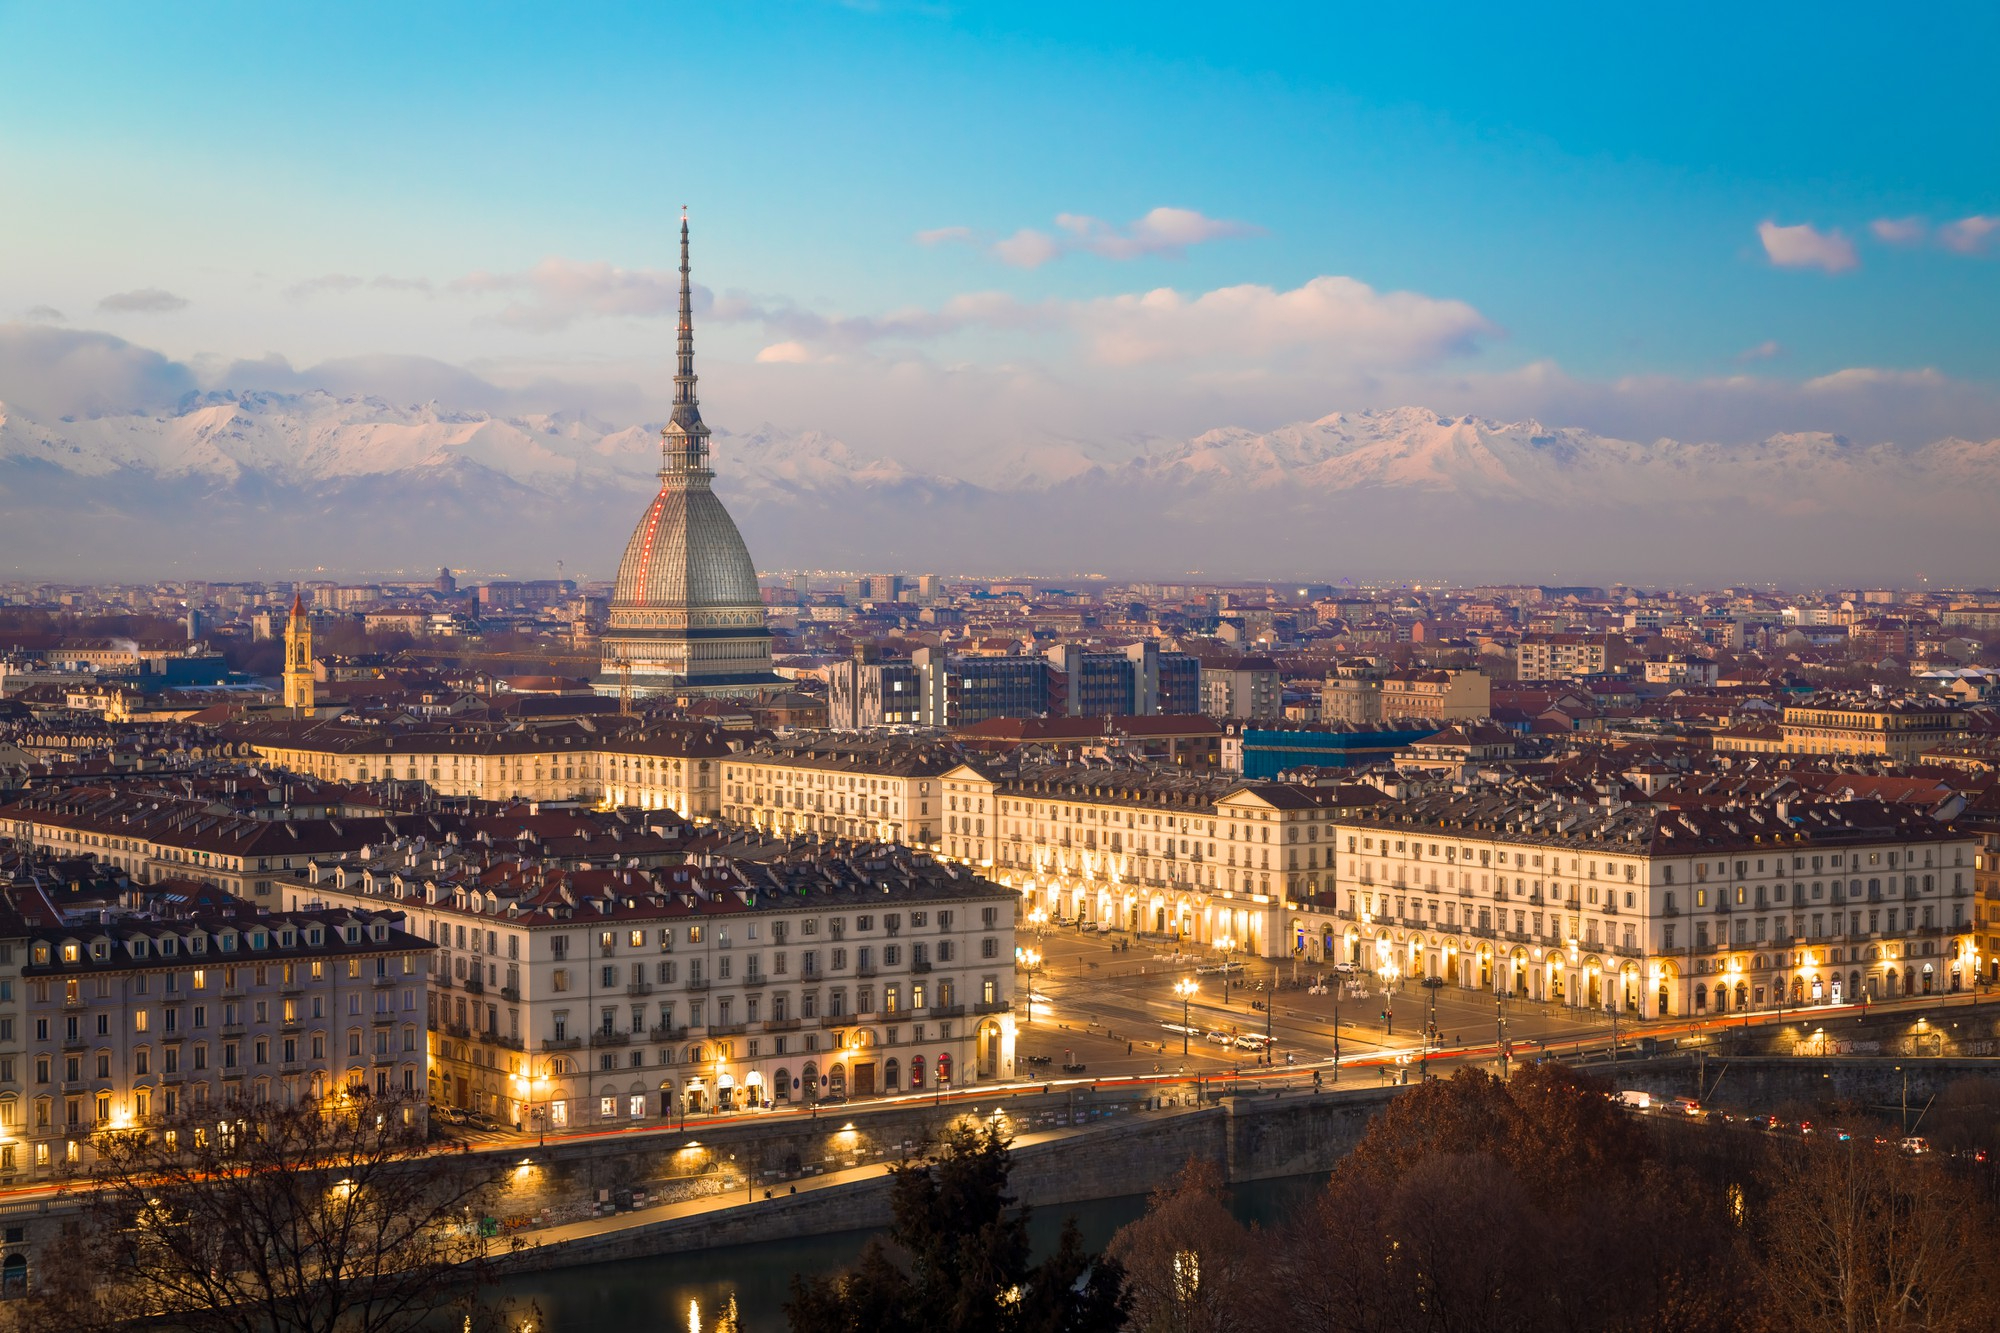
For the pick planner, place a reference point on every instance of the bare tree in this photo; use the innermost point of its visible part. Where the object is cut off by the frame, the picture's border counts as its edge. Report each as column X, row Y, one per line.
column 325, row 1217
column 1858, row 1238
column 1189, row 1266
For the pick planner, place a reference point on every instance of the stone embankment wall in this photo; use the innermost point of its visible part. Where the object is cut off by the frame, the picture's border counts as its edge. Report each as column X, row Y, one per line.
column 1126, row 1147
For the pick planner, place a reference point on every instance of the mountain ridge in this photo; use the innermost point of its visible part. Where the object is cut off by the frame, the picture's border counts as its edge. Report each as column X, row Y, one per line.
column 1421, row 485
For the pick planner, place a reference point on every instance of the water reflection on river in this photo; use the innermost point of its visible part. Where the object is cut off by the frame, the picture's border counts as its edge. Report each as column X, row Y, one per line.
column 657, row 1294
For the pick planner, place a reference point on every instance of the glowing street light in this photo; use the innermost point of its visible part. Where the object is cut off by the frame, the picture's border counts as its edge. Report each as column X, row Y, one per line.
column 1030, row 961
column 1185, row 988
column 1227, row 944
column 1390, row 975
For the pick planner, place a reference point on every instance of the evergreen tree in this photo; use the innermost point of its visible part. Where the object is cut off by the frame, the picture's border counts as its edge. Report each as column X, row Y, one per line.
column 958, row 1259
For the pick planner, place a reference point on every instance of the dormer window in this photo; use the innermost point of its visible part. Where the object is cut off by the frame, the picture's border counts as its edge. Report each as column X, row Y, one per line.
column 259, row 940
column 41, row 953
column 314, row 937
column 352, row 934
column 71, row 953
column 167, row 947
column 197, row 944
column 288, row 938
column 139, row 947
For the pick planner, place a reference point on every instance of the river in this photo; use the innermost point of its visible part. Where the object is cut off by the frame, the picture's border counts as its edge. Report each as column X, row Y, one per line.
column 686, row 1291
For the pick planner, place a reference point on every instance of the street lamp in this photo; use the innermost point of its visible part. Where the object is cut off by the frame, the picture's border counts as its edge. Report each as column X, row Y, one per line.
column 1226, row 944
column 530, row 1084
column 1030, row 960
column 1390, row 974
column 1185, row 988
column 1433, row 985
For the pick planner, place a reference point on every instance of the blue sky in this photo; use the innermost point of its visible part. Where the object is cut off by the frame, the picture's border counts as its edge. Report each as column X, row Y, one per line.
column 1569, row 201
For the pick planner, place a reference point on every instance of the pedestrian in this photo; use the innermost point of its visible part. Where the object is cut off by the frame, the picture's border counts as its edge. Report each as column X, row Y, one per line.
column 1128, row 1048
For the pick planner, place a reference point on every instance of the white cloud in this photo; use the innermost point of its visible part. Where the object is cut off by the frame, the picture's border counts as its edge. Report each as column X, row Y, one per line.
column 1027, row 248
column 337, row 283
column 788, row 353
column 1328, row 318
column 43, row 314
column 1164, row 232
column 1763, row 351
column 326, row 282
column 144, row 301
column 1969, row 235
column 1900, row 231
column 62, row 372
column 557, row 292
column 1805, row 246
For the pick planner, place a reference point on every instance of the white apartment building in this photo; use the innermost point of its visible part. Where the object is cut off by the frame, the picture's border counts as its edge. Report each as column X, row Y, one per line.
column 138, row 1019
column 616, row 997
column 882, row 791
column 1652, row 912
column 666, row 768
column 1199, row 857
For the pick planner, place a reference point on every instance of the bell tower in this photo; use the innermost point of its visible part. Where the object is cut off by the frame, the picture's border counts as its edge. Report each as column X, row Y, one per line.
column 299, row 660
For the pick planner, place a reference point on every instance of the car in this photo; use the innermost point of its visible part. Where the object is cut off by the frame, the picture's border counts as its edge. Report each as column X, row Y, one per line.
column 1216, row 1035
column 1635, row 1099
column 1915, row 1145
column 1685, row 1106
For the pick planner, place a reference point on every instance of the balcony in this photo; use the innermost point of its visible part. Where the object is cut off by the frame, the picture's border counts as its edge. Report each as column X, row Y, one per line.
column 992, row 1007
column 864, row 969
column 945, row 1011
column 836, row 1020
column 511, row 1043
column 603, row 1038
column 727, row 1029
column 292, row 1067
column 698, row 983
column 920, row 966
column 382, row 979
column 475, row 985
column 383, row 1020
column 459, row 1030
column 661, row 1032
column 639, row 988
column 782, row 1024
column 511, row 994
column 562, row 1043
column 607, row 951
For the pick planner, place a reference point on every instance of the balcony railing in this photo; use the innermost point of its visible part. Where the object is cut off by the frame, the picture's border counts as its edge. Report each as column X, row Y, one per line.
column 603, row 1038
column 660, row 1032
column 562, row 1043
column 639, row 988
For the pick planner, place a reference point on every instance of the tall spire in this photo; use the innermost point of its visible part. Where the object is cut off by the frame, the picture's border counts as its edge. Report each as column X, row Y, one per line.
column 684, row 375
column 684, row 442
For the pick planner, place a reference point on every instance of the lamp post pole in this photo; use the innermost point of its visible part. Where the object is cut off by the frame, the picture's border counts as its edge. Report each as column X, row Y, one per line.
column 1185, row 988
column 1336, row 1027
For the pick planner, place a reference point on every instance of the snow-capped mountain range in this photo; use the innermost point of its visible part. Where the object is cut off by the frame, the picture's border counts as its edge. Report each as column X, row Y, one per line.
column 360, row 483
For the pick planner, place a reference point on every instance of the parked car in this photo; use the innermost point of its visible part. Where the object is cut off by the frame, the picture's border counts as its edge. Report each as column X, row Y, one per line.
column 1914, row 1145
